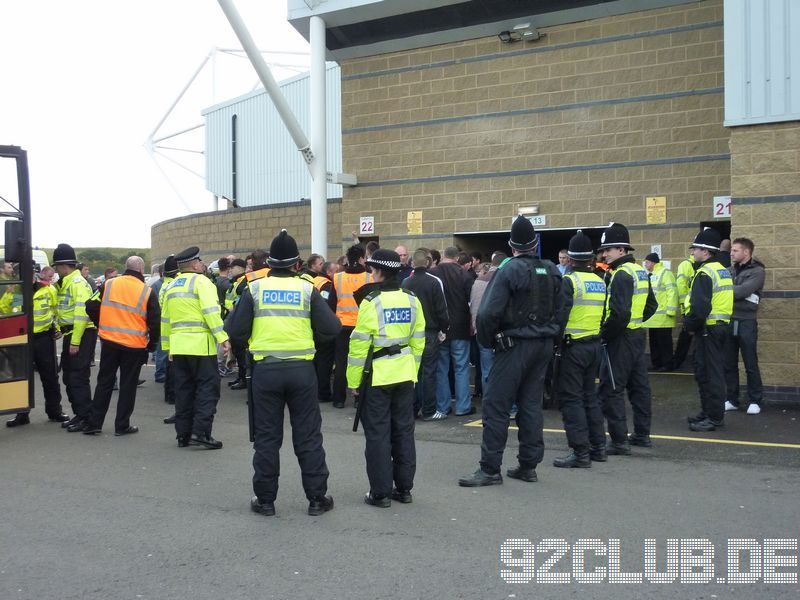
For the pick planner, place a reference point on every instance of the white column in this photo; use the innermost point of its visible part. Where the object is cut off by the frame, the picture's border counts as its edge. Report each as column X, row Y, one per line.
column 319, row 169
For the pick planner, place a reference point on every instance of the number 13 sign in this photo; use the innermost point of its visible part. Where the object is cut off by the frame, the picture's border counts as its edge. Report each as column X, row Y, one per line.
column 722, row 207
column 366, row 226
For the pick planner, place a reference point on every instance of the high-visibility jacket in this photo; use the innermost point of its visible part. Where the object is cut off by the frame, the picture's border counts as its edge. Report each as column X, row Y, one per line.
column 123, row 312
column 665, row 289
column 683, row 280
column 387, row 319
column 7, row 301
column 73, row 292
column 641, row 287
column 45, row 300
column 163, row 291
column 722, row 292
column 230, row 296
column 345, row 285
column 253, row 275
column 281, row 319
column 191, row 323
column 588, row 300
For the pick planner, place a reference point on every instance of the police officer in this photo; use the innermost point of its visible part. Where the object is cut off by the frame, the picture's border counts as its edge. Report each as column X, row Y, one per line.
column 128, row 320
column 709, row 308
column 683, row 280
column 580, row 313
column 516, row 318
column 45, row 332
column 629, row 302
column 237, row 288
column 170, row 271
column 277, row 317
column 391, row 323
column 661, row 324
column 79, row 334
column 191, row 328
column 346, row 283
column 326, row 348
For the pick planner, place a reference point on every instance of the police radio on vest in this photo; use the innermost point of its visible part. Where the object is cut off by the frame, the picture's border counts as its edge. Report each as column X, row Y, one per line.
column 281, row 297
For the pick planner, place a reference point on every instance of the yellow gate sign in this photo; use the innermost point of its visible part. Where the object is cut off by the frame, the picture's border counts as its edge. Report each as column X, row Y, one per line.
column 414, row 222
column 656, row 209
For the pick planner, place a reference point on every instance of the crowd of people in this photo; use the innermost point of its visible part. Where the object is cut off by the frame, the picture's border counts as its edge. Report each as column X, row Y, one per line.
column 401, row 331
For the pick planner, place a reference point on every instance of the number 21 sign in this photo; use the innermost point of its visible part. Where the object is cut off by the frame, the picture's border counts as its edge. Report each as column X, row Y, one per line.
column 366, row 226
column 722, row 207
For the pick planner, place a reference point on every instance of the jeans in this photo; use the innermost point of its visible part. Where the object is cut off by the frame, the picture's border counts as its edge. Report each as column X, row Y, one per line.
column 161, row 359
column 744, row 340
column 456, row 351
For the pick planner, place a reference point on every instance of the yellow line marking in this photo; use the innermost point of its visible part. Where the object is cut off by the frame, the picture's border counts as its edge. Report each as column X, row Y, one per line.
column 679, row 438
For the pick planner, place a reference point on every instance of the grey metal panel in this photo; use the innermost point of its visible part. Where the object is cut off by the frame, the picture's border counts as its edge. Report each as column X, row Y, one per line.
column 270, row 168
column 762, row 61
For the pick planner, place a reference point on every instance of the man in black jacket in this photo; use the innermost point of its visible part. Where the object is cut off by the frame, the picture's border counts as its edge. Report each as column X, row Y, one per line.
column 629, row 302
column 430, row 291
column 457, row 286
column 748, row 281
column 517, row 319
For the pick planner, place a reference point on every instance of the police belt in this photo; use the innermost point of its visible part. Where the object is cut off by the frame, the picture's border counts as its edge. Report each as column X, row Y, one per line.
column 569, row 341
column 388, row 351
column 66, row 330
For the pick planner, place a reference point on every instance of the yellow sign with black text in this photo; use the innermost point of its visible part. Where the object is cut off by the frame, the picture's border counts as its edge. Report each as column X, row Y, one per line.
column 656, row 210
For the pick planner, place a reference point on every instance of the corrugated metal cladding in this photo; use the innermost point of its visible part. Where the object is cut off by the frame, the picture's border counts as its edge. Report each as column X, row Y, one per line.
column 270, row 169
column 762, row 61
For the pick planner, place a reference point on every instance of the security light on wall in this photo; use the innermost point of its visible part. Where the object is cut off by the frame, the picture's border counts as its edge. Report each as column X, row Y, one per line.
column 521, row 31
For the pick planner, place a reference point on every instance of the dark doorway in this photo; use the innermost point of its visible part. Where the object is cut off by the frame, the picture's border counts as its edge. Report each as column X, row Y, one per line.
column 550, row 241
column 723, row 227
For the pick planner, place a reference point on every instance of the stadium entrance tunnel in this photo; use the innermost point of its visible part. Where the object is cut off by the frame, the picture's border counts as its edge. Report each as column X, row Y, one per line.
column 550, row 241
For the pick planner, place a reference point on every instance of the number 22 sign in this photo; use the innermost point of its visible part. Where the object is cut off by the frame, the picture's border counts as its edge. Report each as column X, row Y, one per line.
column 722, row 207
column 366, row 226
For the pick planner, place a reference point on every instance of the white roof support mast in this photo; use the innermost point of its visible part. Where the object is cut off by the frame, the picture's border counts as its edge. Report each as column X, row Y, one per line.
column 316, row 159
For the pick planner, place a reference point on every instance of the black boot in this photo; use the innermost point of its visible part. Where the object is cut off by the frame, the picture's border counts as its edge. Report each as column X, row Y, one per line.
column 379, row 501
column 618, row 449
column 206, row 441
column 523, row 473
column 319, row 505
column 576, row 460
column 598, row 453
column 239, row 385
column 262, row 507
column 403, row 496
column 19, row 419
column 480, row 478
column 638, row 439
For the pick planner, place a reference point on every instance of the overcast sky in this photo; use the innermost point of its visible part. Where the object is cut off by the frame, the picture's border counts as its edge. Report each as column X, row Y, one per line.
column 82, row 85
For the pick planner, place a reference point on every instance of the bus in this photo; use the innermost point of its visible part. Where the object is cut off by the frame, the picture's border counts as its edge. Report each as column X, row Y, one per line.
column 16, row 284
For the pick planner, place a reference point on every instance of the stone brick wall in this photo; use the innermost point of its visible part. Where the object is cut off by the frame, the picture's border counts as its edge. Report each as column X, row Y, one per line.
column 765, row 184
column 585, row 124
column 240, row 231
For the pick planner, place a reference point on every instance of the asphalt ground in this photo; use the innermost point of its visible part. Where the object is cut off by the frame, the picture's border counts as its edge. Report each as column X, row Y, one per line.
column 136, row 517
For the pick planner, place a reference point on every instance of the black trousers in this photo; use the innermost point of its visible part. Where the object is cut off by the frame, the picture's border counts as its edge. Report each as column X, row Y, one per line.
column 629, row 362
column 323, row 364
column 240, row 353
column 388, row 419
column 76, row 372
column 580, row 410
column 709, row 370
column 516, row 377
column 292, row 384
column 425, row 390
column 342, row 349
column 196, row 383
column 169, row 383
column 744, row 339
column 475, row 359
column 44, row 359
column 660, row 346
column 681, row 349
column 128, row 362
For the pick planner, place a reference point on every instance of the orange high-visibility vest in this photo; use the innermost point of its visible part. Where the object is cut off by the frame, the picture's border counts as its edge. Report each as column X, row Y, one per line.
column 123, row 312
column 346, row 307
column 252, row 275
column 319, row 281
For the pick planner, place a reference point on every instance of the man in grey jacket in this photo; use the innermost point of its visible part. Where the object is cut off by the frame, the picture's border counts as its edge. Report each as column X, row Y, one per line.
column 748, row 281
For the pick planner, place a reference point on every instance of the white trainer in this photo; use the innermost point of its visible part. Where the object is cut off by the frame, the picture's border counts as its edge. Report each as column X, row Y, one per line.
column 729, row 406
column 753, row 409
